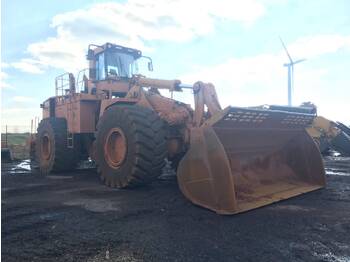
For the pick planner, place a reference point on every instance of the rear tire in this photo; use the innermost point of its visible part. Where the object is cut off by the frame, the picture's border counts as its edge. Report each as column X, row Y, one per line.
column 130, row 146
column 51, row 151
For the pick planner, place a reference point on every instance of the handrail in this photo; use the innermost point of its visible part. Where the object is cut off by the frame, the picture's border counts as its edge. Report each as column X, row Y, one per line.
column 80, row 80
column 62, row 84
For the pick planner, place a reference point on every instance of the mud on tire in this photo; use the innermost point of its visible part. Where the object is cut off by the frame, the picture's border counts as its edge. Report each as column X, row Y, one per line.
column 130, row 146
column 34, row 167
column 51, row 151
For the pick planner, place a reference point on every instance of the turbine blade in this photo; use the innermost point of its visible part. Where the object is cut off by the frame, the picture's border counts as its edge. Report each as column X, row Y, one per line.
column 299, row 61
column 285, row 48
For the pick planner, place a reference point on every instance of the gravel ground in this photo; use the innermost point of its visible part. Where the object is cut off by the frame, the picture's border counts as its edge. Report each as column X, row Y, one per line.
column 73, row 217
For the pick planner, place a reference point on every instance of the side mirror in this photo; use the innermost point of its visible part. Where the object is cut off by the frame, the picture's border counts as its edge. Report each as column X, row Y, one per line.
column 90, row 55
column 150, row 66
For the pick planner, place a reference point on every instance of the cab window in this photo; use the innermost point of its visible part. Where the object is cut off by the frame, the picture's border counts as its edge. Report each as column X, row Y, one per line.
column 100, row 67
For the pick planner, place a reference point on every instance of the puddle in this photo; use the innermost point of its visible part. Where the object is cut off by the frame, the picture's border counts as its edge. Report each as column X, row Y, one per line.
column 337, row 158
column 25, row 164
column 336, row 172
column 51, row 216
column 291, row 208
column 95, row 205
column 86, row 164
column 59, row 177
column 81, row 190
column 26, row 186
column 23, row 167
column 339, row 166
column 332, row 257
column 123, row 253
column 16, row 168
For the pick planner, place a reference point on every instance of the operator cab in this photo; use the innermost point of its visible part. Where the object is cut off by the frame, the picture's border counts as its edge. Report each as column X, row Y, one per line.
column 112, row 61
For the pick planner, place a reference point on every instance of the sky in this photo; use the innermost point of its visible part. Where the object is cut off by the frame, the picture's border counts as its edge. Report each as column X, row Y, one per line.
column 233, row 44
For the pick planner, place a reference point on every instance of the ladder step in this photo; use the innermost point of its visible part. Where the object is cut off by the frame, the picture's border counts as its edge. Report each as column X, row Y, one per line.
column 70, row 140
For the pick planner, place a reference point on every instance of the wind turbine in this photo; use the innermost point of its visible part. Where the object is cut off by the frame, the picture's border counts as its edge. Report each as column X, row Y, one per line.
column 290, row 67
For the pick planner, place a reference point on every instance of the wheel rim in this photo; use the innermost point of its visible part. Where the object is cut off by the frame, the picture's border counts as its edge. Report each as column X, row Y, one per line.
column 115, row 148
column 45, row 147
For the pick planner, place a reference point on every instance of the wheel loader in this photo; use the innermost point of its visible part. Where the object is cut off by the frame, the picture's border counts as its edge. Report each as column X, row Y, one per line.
column 227, row 160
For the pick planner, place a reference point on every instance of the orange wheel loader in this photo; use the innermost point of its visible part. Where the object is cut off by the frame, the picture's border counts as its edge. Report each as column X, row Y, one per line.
column 227, row 160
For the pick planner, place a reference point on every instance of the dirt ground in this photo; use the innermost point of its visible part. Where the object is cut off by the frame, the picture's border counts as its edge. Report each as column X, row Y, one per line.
column 73, row 217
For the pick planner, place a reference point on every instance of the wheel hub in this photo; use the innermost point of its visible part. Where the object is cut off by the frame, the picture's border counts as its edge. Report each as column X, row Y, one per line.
column 115, row 148
column 45, row 147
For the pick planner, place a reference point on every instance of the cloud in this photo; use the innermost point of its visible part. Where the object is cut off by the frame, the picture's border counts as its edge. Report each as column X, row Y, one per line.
column 29, row 66
column 3, row 77
column 132, row 23
column 22, row 99
column 5, row 85
column 237, row 77
column 4, row 65
column 313, row 46
column 18, row 119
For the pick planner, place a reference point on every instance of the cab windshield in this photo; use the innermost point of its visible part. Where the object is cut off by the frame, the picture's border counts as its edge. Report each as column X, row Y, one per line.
column 115, row 64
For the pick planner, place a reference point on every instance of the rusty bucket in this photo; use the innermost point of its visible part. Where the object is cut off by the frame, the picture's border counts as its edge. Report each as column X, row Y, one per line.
column 243, row 159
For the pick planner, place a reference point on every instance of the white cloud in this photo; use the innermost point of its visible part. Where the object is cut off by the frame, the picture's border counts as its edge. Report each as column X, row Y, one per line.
column 5, row 85
column 3, row 77
column 4, row 65
column 236, row 78
column 22, row 99
column 18, row 119
column 314, row 46
column 132, row 23
column 240, row 71
column 29, row 66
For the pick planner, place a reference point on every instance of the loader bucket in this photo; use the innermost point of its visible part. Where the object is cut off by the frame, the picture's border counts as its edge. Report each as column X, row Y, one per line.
column 243, row 159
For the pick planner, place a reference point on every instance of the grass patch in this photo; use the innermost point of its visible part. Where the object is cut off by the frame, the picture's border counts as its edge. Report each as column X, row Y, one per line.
column 18, row 144
column 16, row 138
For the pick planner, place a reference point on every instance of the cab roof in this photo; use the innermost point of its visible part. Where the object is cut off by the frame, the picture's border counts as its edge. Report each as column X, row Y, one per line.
column 113, row 47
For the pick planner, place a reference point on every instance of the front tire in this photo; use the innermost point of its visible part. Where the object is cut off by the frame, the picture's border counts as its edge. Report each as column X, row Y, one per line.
column 130, row 146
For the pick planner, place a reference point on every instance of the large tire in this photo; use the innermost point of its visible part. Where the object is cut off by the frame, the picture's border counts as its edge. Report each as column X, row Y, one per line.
column 51, row 151
column 130, row 146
